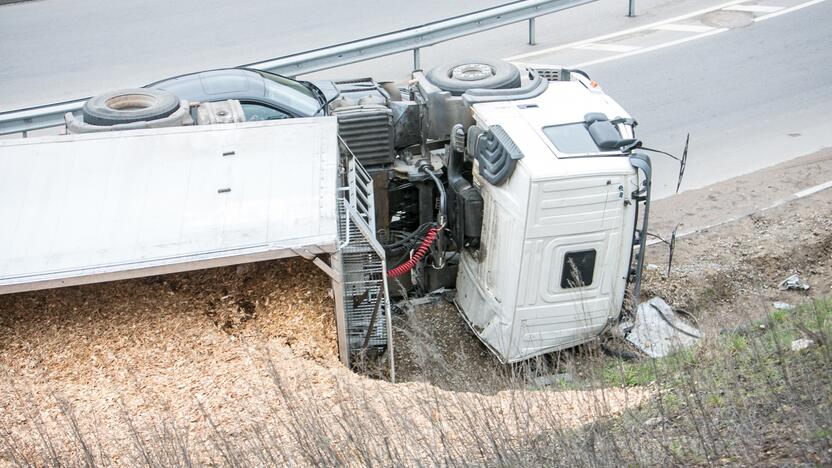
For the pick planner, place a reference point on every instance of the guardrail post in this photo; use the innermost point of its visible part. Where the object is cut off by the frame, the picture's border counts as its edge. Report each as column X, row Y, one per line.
column 632, row 11
column 531, row 31
column 417, row 60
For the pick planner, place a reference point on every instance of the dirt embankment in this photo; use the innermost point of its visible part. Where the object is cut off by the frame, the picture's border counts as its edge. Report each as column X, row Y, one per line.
column 227, row 342
column 729, row 273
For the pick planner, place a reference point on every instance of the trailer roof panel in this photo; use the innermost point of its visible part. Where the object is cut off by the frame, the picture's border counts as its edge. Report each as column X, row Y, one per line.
column 96, row 207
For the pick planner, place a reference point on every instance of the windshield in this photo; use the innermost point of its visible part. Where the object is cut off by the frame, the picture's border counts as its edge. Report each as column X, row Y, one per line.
column 293, row 93
column 571, row 138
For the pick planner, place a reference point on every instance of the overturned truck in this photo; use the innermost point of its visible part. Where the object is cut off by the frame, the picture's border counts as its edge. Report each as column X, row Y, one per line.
column 519, row 186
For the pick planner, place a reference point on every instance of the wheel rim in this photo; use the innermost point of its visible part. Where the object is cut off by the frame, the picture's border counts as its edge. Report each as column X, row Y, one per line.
column 130, row 102
column 472, row 72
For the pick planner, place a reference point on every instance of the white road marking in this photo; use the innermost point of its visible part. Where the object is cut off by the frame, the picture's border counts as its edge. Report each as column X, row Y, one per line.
column 651, row 48
column 694, row 28
column 667, row 24
column 608, row 47
column 624, row 32
column 787, row 10
column 754, row 8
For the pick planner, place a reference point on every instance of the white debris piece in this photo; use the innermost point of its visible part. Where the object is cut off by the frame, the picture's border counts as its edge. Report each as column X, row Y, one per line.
column 429, row 298
column 658, row 330
column 793, row 282
column 801, row 344
column 782, row 305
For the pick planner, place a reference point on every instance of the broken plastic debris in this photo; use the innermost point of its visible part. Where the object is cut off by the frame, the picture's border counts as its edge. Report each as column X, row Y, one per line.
column 782, row 305
column 793, row 282
column 801, row 344
column 429, row 298
column 658, row 330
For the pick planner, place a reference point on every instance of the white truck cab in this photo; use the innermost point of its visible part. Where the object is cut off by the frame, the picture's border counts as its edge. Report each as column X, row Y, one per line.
column 553, row 263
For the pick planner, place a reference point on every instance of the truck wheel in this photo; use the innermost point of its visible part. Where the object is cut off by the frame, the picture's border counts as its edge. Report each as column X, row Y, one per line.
column 129, row 105
column 458, row 77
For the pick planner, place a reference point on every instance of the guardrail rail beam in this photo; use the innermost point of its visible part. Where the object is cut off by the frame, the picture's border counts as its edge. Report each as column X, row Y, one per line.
column 405, row 40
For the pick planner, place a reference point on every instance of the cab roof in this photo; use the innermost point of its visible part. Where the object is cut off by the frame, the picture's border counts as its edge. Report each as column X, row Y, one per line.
column 558, row 115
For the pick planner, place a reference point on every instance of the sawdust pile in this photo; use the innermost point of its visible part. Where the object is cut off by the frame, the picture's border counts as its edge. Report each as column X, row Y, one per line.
column 232, row 348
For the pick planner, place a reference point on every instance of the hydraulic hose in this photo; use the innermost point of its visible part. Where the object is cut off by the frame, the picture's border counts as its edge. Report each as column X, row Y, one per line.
column 443, row 211
column 439, row 253
column 417, row 256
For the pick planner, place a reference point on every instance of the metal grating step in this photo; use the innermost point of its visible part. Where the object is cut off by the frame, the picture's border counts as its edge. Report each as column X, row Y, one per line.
column 363, row 267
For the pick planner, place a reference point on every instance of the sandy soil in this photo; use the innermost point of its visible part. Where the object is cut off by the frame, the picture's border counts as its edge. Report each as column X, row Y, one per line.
column 232, row 340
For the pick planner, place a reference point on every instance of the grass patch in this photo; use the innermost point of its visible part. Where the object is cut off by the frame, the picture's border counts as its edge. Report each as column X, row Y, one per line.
column 741, row 397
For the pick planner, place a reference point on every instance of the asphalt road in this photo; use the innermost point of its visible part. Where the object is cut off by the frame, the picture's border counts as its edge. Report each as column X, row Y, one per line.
column 57, row 50
column 752, row 96
column 53, row 50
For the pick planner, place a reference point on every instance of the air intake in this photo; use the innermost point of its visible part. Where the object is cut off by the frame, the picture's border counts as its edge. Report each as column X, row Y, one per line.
column 368, row 133
column 554, row 74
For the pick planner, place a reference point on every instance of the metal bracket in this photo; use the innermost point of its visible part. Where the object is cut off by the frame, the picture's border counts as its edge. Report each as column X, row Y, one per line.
column 641, row 162
column 319, row 263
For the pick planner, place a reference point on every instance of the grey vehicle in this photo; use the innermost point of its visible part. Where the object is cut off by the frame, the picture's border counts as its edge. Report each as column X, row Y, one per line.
column 261, row 96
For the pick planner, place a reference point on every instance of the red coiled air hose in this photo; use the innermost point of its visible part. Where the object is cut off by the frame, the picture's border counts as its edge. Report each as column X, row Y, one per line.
column 420, row 253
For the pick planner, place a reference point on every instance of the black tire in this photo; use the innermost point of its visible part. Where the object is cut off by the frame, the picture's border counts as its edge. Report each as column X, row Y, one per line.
column 460, row 76
column 129, row 105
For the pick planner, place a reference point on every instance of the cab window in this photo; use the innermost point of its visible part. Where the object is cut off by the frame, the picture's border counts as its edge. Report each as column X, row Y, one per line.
column 571, row 138
column 255, row 112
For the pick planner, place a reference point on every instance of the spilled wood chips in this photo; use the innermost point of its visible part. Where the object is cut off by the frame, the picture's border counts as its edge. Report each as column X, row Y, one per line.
column 233, row 348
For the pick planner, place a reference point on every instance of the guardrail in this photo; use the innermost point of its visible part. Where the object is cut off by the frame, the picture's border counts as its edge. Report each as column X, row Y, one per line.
column 406, row 40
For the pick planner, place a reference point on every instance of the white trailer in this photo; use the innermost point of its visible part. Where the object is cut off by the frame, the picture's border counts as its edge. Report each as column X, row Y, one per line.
column 107, row 206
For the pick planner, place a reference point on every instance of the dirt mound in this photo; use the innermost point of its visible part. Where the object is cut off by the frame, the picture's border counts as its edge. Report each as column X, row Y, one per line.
column 156, row 344
column 731, row 274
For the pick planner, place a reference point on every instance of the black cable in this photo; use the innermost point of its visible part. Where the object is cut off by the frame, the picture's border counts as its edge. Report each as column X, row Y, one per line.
column 326, row 103
column 417, row 233
column 441, row 187
column 658, row 237
column 660, row 152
